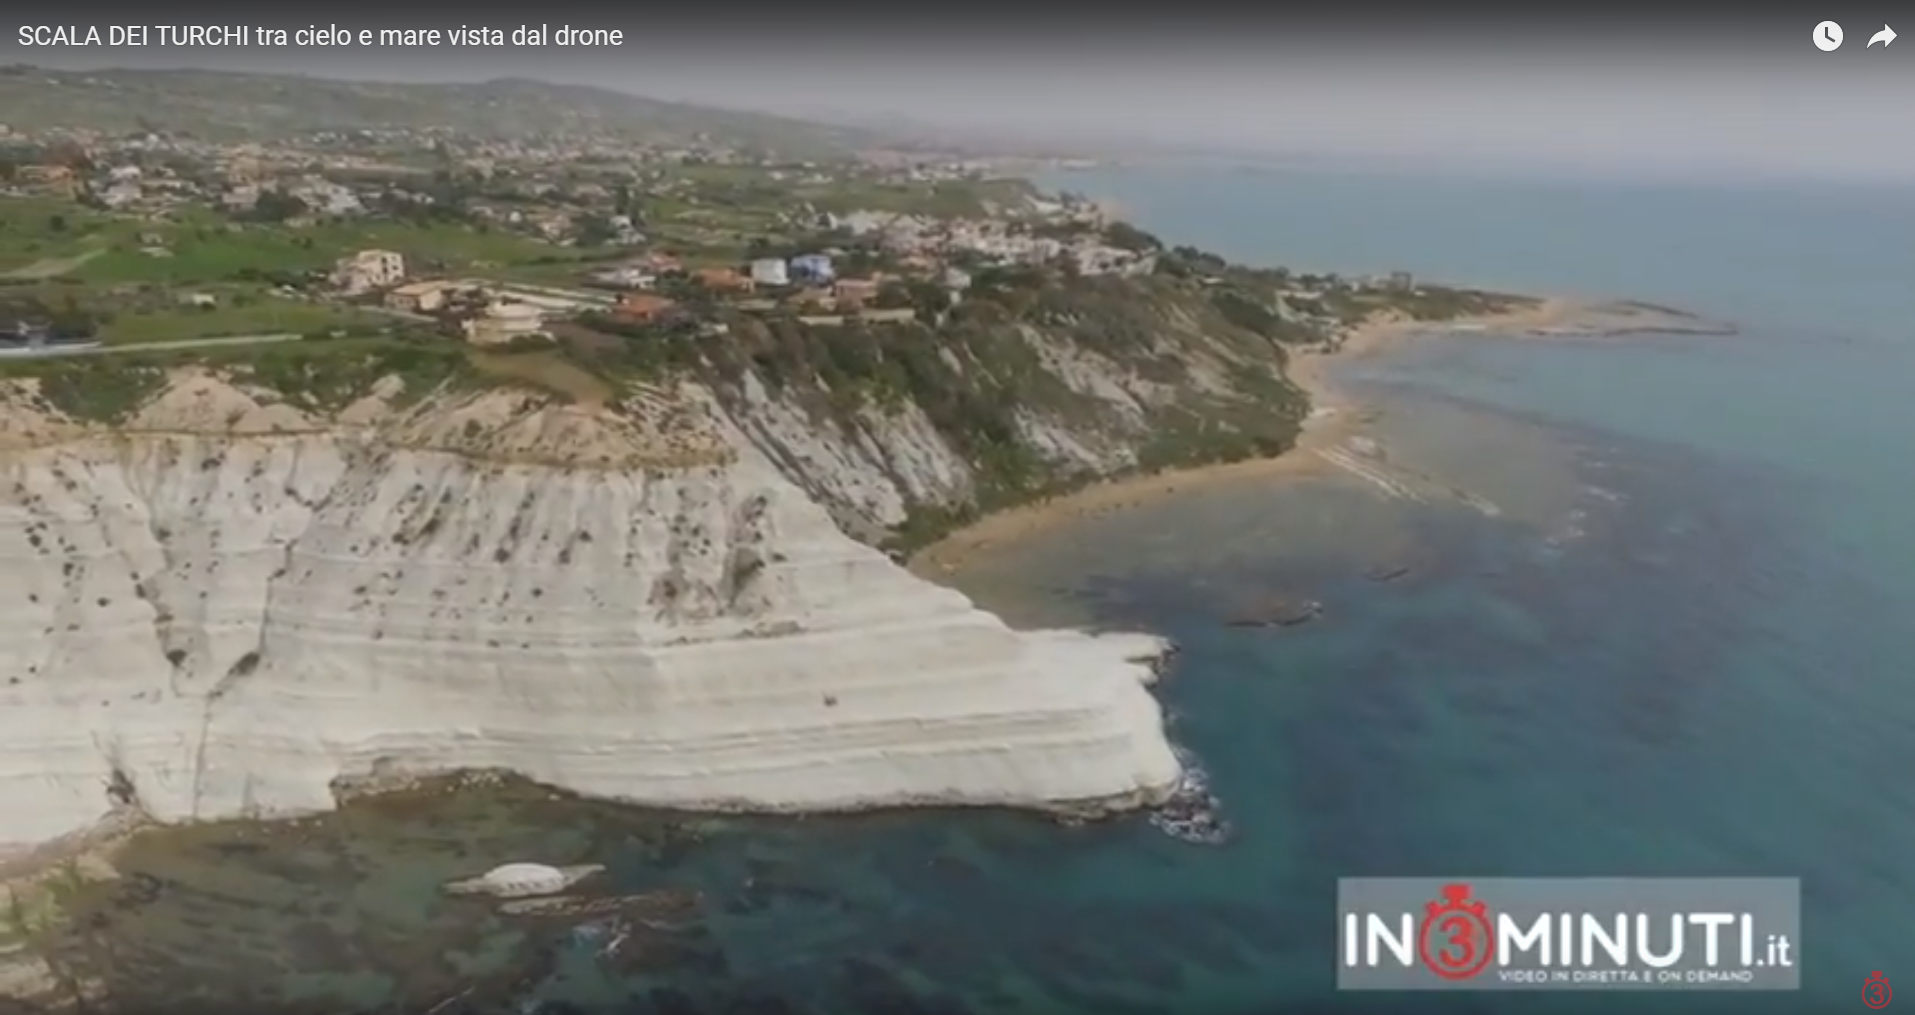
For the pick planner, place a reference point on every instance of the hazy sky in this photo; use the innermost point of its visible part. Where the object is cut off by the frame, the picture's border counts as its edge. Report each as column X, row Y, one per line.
column 1605, row 116
column 1741, row 99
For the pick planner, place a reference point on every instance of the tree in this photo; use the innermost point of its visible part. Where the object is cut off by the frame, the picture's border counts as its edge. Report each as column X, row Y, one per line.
column 892, row 296
column 1125, row 236
column 859, row 261
column 626, row 202
column 71, row 320
column 1184, row 262
column 56, row 223
column 277, row 206
column 594, row 230
column 931, row 301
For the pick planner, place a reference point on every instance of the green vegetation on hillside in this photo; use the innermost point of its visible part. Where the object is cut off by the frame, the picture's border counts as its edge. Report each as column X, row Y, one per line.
column 207, row 250
column 1175, row 357
column 218, row 104
column 1203, row 357
column 46, row 239
column 321, row 375
column 985, row 370
column 42, row 237
column 196, row 274
column 979, row 373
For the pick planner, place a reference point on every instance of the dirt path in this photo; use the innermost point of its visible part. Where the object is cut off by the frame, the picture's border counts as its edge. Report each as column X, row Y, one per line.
column 51, row 267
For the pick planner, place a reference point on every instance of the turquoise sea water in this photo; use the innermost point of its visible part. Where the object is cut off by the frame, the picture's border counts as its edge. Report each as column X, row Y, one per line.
column 1823, row 260
column 1687, row 654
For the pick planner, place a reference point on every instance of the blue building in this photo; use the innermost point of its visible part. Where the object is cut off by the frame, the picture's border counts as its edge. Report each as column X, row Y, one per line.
column 812, row 268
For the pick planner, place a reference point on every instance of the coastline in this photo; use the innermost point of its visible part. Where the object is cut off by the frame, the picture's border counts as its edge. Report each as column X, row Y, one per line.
column 1335, row 419
column 1335, row 416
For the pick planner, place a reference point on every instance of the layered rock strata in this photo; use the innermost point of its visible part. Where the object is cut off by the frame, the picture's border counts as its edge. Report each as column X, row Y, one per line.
column 231, row 609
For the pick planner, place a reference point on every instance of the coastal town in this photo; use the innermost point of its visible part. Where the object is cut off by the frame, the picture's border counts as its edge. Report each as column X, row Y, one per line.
column 115, row 240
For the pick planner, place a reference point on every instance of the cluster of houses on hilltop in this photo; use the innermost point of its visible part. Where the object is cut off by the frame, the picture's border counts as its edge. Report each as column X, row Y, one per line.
column 319, row 195
column 486, row 315
column 772, row 272
column 808, row 284
column 993, row 241
column 805, row 269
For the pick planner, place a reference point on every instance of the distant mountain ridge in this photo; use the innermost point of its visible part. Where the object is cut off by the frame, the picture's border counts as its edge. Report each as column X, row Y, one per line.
column 224, row 104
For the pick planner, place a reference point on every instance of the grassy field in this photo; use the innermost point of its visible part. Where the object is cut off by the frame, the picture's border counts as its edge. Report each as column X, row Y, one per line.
column 145, row 312
column 137, row 278
column 198, row 247
column 316, row 374
column 546, row 371
column 558, row 274
column 37, row 232
column 199, row 252
column 267, row 316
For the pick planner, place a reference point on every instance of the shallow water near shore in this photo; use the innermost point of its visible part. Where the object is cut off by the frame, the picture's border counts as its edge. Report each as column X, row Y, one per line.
column 1634, row 669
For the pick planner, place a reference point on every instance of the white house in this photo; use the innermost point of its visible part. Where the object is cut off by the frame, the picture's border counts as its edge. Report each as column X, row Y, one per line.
column 628, row 276
column 503, row 322
column 122, row 193
column 240, row 198
column 368, row 270
column 769, row 271
column 419, row 297
column 328, row 198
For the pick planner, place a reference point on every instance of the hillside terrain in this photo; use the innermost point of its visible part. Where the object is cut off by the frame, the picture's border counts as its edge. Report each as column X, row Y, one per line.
column 638, row 561
column 1033, row 385
column 247, row 107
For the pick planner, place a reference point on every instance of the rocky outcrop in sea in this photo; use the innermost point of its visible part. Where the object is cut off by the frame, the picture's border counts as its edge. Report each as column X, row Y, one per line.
column 1193, row 813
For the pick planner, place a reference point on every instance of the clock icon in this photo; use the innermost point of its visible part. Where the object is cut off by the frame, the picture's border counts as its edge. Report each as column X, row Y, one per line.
column 1828, row 36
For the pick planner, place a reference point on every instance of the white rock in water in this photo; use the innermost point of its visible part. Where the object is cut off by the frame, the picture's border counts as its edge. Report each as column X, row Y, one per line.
column 225, row 626
column 524, row 879
column 513, row 880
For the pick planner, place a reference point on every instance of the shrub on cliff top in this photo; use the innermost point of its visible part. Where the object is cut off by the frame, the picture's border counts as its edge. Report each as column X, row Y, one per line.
column 94, row 389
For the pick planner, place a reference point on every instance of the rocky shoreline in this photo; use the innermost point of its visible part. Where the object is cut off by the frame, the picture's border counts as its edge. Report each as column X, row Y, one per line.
column 1569, row 319
column 704, row 596
column 300, row 613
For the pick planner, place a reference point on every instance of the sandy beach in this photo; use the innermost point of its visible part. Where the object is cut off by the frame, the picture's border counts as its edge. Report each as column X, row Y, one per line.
column 1335, row 418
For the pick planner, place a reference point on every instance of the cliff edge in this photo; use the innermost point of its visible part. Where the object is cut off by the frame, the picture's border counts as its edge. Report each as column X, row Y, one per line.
column 227, row 605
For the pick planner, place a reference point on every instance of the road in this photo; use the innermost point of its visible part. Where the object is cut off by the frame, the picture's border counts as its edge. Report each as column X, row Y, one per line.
column 182, row 343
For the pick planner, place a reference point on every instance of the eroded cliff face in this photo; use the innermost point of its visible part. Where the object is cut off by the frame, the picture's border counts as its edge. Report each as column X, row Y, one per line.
column 983, row 414
column 228, row 608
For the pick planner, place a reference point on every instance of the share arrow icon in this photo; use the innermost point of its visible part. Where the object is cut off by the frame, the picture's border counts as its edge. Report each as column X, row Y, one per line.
column 1885, row 36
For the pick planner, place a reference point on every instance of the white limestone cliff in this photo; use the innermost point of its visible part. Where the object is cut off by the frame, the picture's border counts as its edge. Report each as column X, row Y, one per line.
column 229, row 609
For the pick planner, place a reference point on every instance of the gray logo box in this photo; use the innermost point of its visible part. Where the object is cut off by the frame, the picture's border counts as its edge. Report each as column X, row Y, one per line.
column 1389, row 937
